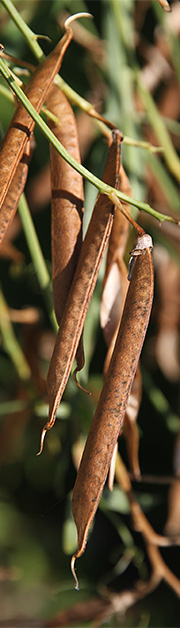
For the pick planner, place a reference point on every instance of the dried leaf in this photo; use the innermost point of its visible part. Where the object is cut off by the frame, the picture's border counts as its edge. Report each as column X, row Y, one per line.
column 82, row 287
column 167, row 341
column 109, row 415
column 131, row 429
column 21, row 127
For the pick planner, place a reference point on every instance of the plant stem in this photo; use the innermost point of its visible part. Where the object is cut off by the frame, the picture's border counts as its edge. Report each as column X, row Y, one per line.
column 102, row 187
column 159, row 127
column 129, row 141
column 11, row 344
column 30, row 37
column 164, row 179
column 37, row 258
column 157, row 123
column 86, row 106
column 125, row 25
column 172, row 125
column 9, row 96
column 9, row 407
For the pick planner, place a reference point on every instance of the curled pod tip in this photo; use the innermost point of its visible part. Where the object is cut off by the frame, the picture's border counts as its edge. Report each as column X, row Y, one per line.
column 74, row 17
column 76, row 586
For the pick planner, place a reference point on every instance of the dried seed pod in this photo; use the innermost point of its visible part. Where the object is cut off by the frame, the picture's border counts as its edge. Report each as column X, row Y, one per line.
column 130, row 430
column 115, row 288
column 82, row 287
column 67, row 207
column 67, row 204
column 112, row 304
column 109, row 415
column 120, row 231
column 165, row 5
column 15, row 190
column 21, row 127
column 115, row 284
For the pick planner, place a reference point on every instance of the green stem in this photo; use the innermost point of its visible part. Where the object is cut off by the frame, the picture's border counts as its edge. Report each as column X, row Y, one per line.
column 4, row 91
column 157, row 123
column 9, row 407
column 37, row 258
column 160, row 403
column 152, row 111
column 172, row 125
column 102, row 187
column 129, row 141
column 166, row 182
column 30, row 37
column 11, row 344
column 125, row 25
column 86, row 106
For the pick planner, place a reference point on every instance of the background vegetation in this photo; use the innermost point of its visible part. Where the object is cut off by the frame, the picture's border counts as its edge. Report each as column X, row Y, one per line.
column 132, row 39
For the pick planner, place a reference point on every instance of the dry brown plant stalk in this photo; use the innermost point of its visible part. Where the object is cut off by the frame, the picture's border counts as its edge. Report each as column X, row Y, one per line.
column 153, row 540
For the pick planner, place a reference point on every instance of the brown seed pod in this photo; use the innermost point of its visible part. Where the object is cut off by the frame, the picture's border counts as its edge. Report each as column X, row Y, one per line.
column 165, row 5
column 18, row 133
column 112, row 303
column 15, row 190
column 67, row 207
column 67, row 204
column 115, row 287
column 82, row 287
column 109, row 415
column 115, row 279
column 120, row 231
